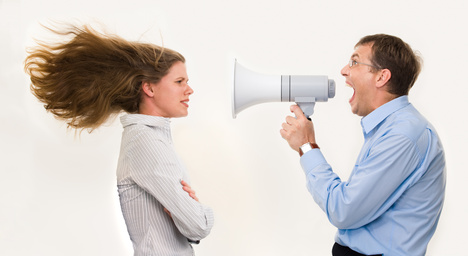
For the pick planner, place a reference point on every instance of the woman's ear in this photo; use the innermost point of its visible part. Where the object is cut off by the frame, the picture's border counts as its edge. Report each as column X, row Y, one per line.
column 147, row 89
column 384, row 77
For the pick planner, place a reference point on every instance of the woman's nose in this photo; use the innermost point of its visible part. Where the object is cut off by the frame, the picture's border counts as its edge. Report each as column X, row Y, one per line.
column 189, row 90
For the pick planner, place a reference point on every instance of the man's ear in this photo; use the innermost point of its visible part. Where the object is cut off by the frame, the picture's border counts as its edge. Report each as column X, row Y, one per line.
column 147, row 89
column 384, row 77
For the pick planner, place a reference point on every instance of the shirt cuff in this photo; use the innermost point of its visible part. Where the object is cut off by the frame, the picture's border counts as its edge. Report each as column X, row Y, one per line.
column 209, row 215
column 311, row 159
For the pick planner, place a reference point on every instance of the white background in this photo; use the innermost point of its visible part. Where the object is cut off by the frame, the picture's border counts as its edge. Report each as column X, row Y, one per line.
column 58, row 190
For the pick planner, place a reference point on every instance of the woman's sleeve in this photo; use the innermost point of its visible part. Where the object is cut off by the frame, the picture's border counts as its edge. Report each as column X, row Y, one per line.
column 157, row 169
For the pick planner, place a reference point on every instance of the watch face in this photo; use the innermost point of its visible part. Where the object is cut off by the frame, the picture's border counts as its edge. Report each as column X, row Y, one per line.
column 304, row 148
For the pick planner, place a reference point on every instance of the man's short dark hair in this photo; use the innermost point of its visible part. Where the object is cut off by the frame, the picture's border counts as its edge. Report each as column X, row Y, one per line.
column 390, row 52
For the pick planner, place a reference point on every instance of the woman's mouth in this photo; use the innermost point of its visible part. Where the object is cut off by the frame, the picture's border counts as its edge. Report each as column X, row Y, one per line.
column 185, row 103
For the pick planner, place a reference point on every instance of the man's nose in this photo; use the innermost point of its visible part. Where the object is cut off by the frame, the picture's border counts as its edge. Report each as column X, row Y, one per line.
column 345, row 70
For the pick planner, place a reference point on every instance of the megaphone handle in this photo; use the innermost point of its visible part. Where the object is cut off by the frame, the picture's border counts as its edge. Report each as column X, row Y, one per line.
column 307, row 108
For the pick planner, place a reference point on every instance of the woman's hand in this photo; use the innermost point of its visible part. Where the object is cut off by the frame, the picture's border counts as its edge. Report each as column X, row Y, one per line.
column 189, row 190
column 186, row 187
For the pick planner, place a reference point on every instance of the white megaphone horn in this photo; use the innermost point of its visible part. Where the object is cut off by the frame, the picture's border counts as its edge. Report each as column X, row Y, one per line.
column 252, row 88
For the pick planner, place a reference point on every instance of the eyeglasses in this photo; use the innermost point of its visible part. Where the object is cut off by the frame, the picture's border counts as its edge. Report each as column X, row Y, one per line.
column 354, row 63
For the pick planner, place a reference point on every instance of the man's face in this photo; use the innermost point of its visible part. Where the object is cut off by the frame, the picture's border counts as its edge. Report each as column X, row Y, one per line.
column 361, row 78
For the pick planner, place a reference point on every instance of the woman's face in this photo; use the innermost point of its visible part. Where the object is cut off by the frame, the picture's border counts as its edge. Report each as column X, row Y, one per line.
column 171, row 94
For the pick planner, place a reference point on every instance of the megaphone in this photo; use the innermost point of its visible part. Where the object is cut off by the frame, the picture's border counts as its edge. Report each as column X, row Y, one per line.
column 252, row 88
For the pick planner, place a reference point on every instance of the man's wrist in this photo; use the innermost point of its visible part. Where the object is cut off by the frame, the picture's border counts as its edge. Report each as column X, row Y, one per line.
column 306, row 147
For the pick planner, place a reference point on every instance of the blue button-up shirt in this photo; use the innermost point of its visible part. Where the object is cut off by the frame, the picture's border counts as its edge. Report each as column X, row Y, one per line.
column 393, row 198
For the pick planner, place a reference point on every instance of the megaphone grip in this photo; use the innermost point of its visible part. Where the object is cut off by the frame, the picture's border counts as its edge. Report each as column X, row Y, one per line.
column 307, row 108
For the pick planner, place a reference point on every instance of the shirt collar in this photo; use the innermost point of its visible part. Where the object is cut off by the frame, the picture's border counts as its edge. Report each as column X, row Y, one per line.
column 373, row 119
column 147, row 120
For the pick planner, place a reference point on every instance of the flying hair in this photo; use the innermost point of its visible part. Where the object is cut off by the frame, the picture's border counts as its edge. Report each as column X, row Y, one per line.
column 92, row 76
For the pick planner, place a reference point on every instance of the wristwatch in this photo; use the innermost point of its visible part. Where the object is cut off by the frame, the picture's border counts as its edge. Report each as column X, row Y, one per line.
column 307, row 147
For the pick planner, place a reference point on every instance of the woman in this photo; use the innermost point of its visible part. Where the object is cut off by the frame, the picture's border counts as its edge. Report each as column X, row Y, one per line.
column 94, row 76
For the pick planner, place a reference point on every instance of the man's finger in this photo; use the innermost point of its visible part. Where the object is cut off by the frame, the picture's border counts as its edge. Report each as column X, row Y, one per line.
column 297, row 112
column 291, row 120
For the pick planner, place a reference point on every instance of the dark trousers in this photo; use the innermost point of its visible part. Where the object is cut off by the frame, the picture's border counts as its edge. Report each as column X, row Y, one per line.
column 339, row 250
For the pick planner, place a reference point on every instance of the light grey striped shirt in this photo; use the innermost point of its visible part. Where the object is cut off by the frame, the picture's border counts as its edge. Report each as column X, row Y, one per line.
column 148, row 179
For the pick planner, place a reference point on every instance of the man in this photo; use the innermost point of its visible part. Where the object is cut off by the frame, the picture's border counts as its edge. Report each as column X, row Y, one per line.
column 393, row 199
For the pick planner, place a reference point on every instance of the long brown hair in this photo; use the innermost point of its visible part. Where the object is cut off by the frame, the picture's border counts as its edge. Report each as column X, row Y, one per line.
column 93, row 76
